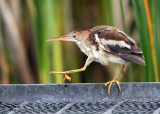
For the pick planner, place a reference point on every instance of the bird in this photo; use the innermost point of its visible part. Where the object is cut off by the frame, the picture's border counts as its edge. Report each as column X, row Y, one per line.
column 105, row 45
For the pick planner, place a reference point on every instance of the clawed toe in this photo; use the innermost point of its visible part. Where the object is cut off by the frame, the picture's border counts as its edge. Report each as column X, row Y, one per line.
column 67, row 78
column 110, row 84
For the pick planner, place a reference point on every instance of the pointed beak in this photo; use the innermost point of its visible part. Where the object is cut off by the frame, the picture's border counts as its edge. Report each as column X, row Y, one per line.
column 63, row 38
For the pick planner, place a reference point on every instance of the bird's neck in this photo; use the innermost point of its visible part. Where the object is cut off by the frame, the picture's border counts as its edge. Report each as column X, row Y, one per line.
column 84, row 44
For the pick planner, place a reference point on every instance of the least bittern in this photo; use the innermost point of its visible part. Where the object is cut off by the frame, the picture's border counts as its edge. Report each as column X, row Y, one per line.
column 104, row 44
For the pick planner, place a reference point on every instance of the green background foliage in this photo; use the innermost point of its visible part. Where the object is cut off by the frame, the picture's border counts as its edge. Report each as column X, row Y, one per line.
column 26, row 56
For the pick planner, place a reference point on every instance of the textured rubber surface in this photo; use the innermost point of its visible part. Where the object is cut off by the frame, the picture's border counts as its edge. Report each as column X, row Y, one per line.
column 86, row 107
column 142, row 98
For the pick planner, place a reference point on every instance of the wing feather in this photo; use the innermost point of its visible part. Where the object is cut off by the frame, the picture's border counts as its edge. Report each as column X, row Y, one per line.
column 117, row 47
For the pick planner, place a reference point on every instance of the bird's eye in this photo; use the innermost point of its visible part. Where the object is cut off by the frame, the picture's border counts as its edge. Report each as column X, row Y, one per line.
column 74, row 36
column 99, row 32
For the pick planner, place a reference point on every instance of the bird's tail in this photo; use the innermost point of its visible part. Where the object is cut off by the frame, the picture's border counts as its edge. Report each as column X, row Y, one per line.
column 135, row 58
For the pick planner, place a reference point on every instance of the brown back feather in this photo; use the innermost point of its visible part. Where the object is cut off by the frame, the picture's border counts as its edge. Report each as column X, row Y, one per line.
column 134, row 54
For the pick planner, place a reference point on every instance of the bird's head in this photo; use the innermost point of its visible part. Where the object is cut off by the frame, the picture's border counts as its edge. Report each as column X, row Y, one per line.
column 74, row 36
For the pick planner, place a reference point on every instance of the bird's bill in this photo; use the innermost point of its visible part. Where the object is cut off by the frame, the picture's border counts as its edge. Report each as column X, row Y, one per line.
column 63, row 38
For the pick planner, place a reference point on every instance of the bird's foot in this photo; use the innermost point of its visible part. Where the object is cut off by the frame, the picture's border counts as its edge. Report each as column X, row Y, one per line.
column 67, row 78
column 110, row 84
column 65, row 74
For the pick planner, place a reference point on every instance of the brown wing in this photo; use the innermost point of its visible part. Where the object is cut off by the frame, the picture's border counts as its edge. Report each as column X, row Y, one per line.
column 119, row 44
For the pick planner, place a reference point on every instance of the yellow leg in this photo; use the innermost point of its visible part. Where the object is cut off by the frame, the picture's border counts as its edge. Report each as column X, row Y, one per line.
column 115, row 81
column 88, row 61
column 69, row 72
